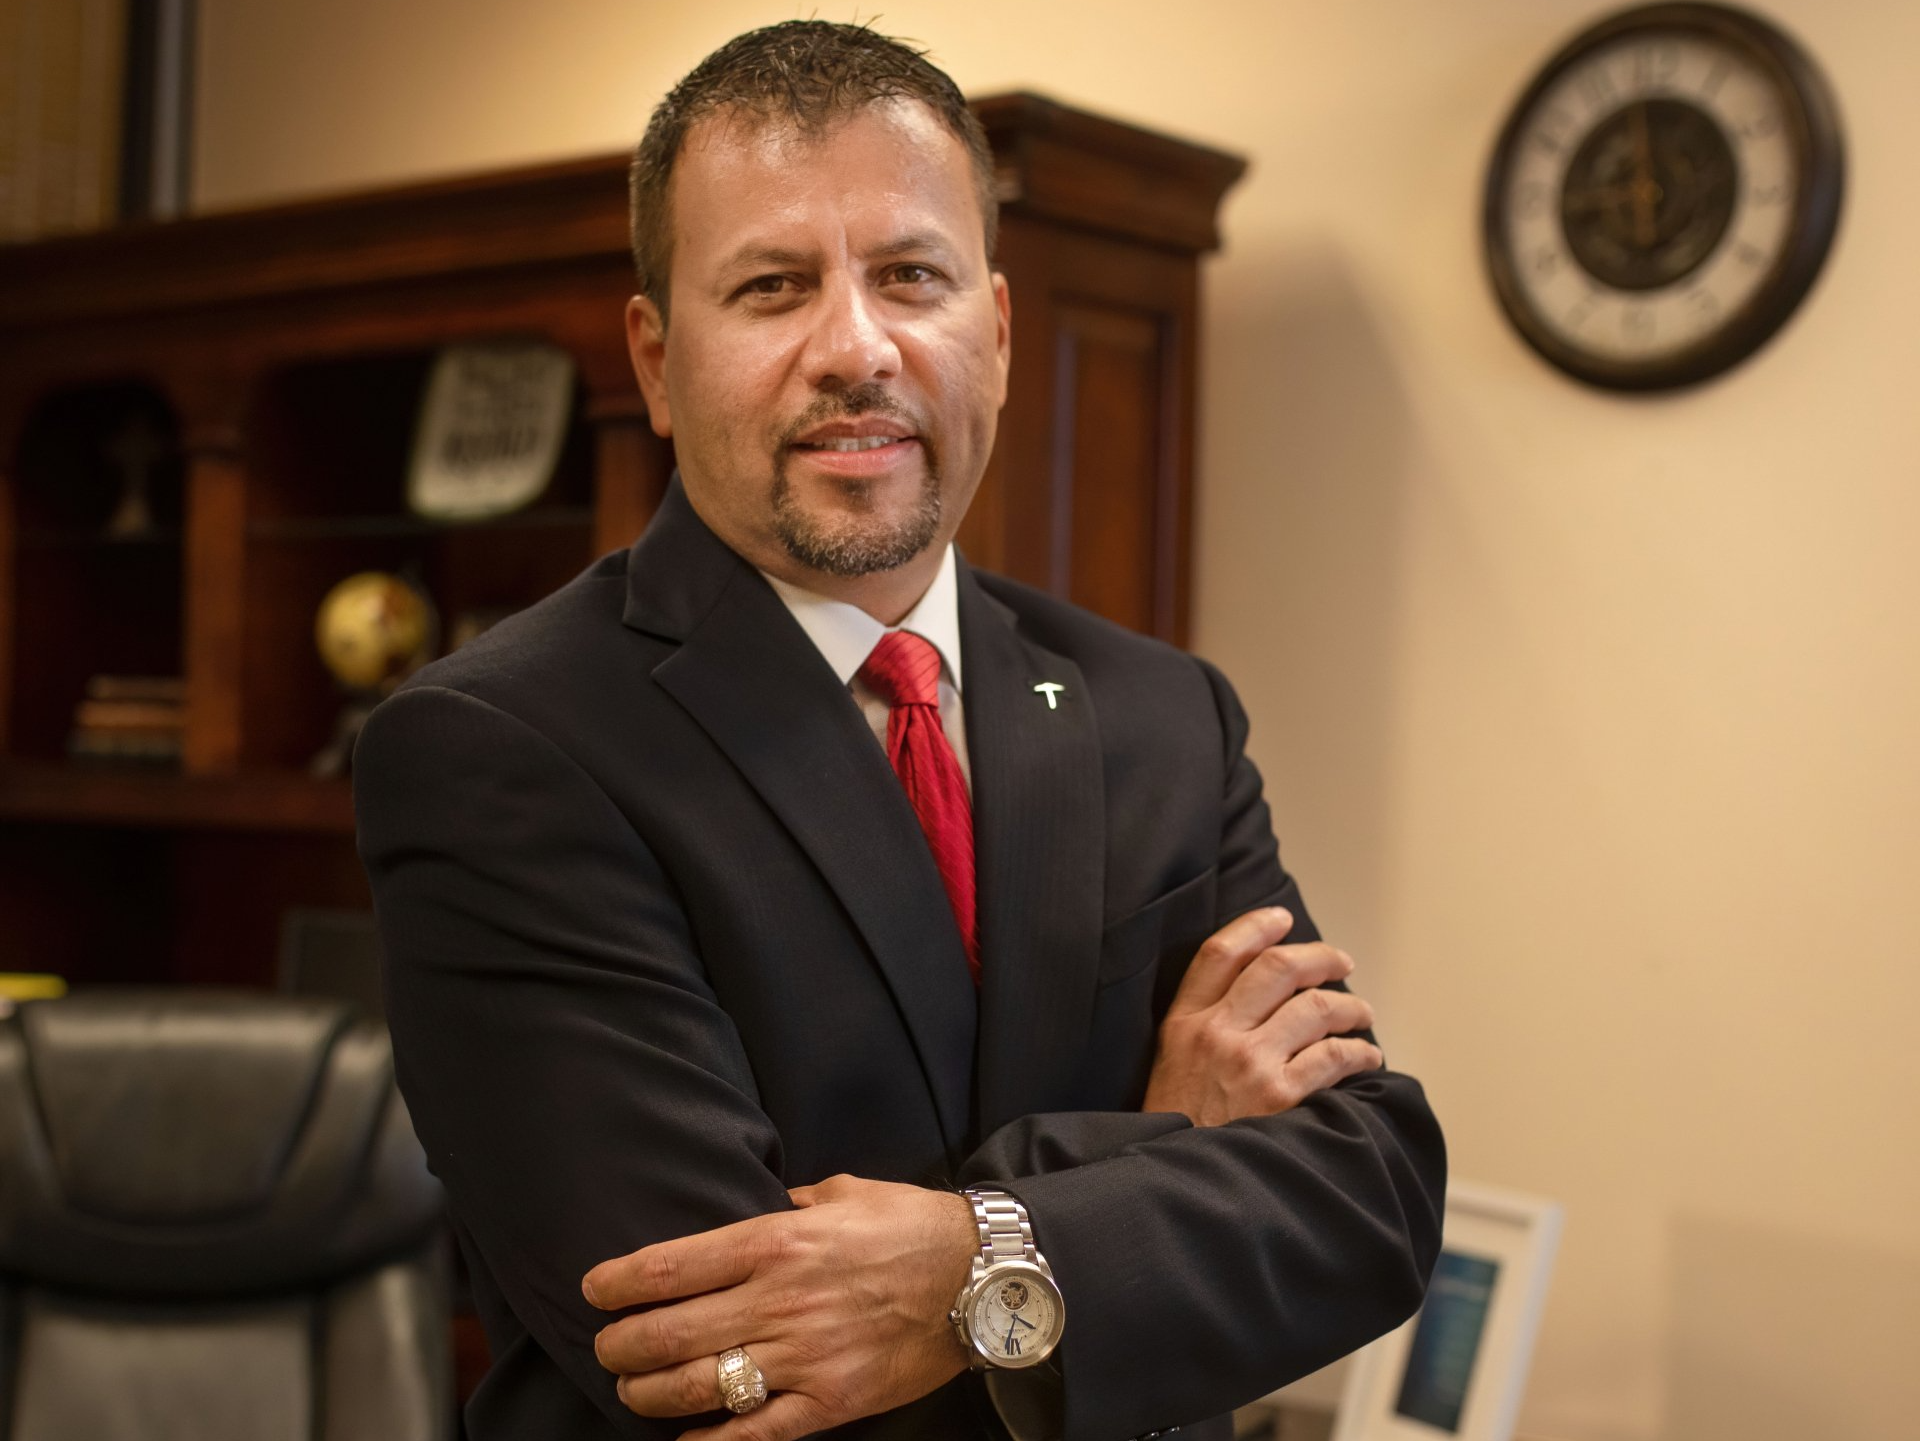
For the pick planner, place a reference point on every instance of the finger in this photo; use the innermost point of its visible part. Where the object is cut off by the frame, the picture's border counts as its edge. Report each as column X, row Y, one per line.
column 1223, row 954
column 669, row 1335
column 1277, row 974
column 1312, row 1016
column 783, row 1418
column 834, row 1188
column 687, row 1266
column 1327, row 1063
column 691, row 1387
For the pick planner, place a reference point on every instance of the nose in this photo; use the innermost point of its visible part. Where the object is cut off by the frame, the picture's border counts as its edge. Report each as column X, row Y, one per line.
column 850, row 342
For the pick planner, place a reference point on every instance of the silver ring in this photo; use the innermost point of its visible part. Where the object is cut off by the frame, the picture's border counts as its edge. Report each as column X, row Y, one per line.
column 742, row 1387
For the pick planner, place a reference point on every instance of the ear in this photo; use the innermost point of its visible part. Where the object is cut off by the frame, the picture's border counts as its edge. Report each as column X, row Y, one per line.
column 647, row 347
column 1003, row 339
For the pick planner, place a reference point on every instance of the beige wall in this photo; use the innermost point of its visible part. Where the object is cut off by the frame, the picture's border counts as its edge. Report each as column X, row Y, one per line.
column 1590, row 722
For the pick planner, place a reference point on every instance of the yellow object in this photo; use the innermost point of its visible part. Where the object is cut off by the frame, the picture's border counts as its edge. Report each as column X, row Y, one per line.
column 373, row 629
column 23, row 986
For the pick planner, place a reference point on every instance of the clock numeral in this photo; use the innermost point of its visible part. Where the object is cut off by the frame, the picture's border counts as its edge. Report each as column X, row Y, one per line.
column 1598, row 87
column 1551, row 136
column 1637, row 323
column 1716, row 77
column 1770, row 194
column 1655, row 64
column 1761, row 127
column 1579, row 315
column 1546, row 261
column 1706, row 308
column 1532, row 198
column 1013, row 1345
column 1748, row 253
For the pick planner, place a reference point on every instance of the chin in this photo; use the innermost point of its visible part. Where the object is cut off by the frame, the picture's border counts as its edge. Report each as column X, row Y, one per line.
column 849, row 549
column 849, row 535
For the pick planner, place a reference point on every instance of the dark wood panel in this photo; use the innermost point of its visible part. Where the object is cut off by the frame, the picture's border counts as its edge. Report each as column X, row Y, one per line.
column 275, row 800
column 233, row 892
column 216, row 608
column 632, row 467
column 1110, row 374
column 9, row 590
column 90, row 903
column 1044, row 473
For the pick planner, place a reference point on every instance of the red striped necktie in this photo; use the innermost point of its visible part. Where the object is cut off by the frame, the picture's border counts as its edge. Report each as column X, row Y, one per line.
column 904, row 671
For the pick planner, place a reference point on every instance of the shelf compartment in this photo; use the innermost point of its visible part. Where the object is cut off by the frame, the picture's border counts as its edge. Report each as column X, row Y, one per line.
column 327, row 453
column 97, row 588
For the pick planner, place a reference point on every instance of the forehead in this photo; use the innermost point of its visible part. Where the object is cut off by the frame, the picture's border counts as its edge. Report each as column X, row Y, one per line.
column 740, row 177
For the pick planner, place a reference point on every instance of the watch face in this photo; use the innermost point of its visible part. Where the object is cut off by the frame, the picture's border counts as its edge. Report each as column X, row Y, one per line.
column 1663, row 195
column 1016, row 1316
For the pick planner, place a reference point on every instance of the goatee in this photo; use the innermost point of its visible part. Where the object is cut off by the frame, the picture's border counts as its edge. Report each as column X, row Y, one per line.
column 859, row 543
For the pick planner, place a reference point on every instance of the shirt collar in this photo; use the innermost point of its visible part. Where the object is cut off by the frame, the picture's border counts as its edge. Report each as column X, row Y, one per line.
column 846, row 634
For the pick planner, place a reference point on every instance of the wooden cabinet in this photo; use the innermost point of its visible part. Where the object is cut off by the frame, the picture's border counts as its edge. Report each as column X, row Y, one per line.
column 263, row 370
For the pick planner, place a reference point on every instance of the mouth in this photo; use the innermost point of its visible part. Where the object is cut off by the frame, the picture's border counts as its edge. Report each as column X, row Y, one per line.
column 852, row 444
column 857, row 449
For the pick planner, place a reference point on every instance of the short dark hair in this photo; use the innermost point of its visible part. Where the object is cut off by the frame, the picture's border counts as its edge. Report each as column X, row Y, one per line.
column 809, row 73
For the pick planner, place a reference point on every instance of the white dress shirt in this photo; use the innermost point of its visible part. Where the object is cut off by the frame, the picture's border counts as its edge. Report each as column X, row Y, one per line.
column 846, row 636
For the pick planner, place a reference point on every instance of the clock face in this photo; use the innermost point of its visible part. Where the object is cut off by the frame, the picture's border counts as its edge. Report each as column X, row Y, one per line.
column 1663, row 196
column 1016, row 1318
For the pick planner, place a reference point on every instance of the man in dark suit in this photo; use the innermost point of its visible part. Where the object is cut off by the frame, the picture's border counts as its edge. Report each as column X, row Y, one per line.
column 781, row 875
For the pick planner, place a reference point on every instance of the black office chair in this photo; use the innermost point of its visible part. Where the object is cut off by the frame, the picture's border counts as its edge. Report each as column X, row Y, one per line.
column 215, row 1225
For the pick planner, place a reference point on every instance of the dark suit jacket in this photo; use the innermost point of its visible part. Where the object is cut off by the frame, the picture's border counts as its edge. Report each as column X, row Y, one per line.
column 664, row 939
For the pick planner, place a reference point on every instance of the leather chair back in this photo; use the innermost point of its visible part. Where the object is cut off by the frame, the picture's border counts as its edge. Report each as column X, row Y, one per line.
column 215, row 1223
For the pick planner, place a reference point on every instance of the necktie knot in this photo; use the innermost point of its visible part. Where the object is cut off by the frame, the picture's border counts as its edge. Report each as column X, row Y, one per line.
column 904, row 669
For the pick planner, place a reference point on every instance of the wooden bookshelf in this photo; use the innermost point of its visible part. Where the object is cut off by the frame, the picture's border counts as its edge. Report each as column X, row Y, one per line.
column 264, row 369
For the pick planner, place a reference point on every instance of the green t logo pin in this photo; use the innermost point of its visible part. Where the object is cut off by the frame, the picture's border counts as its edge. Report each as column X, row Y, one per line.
column 1050, row 689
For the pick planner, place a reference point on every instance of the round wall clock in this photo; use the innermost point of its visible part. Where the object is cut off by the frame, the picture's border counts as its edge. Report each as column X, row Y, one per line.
column 1663, row 195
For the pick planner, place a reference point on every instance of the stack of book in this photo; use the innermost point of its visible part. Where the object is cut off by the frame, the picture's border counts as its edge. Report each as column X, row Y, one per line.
column 130, row 718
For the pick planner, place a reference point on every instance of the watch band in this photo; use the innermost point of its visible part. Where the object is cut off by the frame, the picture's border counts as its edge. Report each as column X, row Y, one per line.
column 1005, row 1232
column 1010, row 1267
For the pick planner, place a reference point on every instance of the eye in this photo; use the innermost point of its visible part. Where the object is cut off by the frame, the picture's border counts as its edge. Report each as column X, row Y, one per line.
column 913, row 273
column 766, row 285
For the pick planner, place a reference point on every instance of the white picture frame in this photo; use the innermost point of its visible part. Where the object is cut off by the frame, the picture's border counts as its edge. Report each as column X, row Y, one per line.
column 492, row 424
column 1474, row 1333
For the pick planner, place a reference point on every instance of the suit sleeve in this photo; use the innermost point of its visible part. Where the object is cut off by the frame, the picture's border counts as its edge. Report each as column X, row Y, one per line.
column 577, row 1087
column 1208, row 1266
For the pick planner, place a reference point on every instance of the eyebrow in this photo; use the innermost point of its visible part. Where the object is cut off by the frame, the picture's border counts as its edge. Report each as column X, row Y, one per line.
column 752, row 255
column 921, row 241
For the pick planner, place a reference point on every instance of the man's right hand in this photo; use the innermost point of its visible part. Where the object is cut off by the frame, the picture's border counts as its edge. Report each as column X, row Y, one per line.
column 1247, row 1033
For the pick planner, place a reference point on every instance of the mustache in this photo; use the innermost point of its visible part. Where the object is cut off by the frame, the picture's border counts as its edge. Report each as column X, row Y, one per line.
column 869, row 397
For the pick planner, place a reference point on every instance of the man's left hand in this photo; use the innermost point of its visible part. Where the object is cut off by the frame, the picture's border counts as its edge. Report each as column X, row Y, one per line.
column 842, row 1304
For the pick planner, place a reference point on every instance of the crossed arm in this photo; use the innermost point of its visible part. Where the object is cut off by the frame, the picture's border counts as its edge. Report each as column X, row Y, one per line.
column 845, row 1298
column 536, row 950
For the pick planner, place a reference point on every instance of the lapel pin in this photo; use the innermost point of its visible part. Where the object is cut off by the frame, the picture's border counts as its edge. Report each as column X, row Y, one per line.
column 1050, row 689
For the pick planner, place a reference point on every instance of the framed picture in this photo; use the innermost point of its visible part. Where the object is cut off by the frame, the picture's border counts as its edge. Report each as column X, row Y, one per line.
column 491, row 428
column 1459, row 1367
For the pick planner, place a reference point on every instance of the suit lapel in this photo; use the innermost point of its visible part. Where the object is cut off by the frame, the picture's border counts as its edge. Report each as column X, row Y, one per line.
column 749, row 676
column 1039, row 847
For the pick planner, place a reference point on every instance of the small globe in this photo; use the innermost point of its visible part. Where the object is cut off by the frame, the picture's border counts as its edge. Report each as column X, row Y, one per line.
column 373, row 630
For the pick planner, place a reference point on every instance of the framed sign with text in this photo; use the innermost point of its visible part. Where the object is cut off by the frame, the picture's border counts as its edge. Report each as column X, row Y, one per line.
column 1459, row 1367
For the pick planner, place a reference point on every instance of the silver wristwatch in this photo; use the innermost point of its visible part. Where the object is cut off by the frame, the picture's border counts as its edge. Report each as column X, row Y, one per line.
column 1009, row 1313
